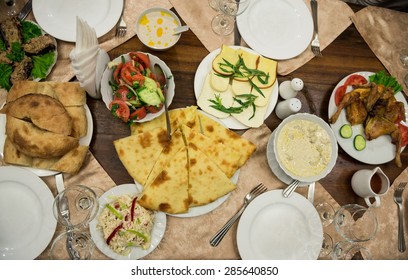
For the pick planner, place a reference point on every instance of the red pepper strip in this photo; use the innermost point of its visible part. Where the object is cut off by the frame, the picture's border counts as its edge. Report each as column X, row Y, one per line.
column 114, row 232
column 132, row 210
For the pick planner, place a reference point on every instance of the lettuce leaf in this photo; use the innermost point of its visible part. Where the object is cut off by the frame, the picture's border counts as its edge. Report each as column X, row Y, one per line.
column 382, row 78
column 41, row 65
column 5, row 71
column 29, row 31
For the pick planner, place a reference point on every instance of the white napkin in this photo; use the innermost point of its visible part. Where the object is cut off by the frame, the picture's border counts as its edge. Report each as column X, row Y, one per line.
column 84, row 58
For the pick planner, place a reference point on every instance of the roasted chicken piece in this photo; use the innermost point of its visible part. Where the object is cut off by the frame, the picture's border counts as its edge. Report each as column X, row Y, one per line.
column 377, row 109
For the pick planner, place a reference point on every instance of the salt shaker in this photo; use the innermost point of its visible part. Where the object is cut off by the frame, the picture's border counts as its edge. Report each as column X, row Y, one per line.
column 288, row 107
column 289, row 89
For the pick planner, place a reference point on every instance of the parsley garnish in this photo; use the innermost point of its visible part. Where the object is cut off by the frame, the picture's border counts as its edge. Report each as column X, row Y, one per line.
column 248, row 101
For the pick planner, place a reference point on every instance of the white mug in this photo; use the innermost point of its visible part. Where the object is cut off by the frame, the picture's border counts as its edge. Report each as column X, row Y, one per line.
column 368, row 184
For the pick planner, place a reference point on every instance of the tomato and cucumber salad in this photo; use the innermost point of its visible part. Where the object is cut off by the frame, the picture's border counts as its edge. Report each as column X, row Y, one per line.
column 136, row 92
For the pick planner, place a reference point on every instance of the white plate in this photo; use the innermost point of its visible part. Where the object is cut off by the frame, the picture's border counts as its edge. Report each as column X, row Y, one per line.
column 58, row 17
column 97, row 236
column 275, row 227
column 85, row 141
column 202, row 72
column 107, row 92
column 279, row 29
column 274, row 165
column 377, row 151
column 26, row 218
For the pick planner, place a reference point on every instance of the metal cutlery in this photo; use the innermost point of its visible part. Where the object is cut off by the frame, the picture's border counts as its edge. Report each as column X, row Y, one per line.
column 64, row 210
column 121, row 28
column 25, row 10
column 162, row 79
column 311, row 192
column 315, row 41
column 288, row 191
column 216, row 239
column 398, row 200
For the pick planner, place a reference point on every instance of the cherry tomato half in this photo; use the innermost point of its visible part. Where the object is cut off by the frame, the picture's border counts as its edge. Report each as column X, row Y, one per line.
column 138, row 114
column 154, row 109
column 340, row 92
column 120, row 109
column 141, row 58
column 355, row 79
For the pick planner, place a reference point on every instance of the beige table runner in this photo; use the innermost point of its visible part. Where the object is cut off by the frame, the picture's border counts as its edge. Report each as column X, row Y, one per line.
column 386, row 33
column 333, row 17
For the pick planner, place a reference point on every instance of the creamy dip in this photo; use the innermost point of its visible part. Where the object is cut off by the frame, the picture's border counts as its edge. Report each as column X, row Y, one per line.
column 304, row 148
column 156, row 29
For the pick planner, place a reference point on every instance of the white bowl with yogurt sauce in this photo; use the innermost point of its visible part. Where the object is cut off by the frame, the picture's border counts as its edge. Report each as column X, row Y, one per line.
column 305, row 147
column 155, row 28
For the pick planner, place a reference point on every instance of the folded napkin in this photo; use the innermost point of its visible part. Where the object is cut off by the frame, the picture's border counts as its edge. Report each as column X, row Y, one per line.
column 88, row 59
column 333, row 17
column 386, row 33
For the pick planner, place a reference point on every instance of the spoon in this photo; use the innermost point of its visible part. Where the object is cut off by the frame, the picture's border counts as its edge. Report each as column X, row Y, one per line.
column 180, row 29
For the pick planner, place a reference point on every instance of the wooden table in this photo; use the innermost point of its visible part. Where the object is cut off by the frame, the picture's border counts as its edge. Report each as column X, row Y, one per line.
column 347, row 54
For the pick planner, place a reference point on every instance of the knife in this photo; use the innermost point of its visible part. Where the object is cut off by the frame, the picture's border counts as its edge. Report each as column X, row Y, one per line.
column 237, row 35
column 25, row 10
column 162, row 79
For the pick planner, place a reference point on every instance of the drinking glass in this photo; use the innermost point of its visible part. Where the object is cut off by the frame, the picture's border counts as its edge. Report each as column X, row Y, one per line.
column 223, row 23
column 76, row 206
column 327, row 246
column 326, row 212
column 214, row 5
column 73, row 244
column 345, row 250
column 11, row 7
column 355, row 223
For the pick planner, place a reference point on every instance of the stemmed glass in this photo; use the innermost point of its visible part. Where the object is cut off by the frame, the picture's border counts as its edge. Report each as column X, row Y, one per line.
column 223, row 23
column 213, row 4
column 75, row 207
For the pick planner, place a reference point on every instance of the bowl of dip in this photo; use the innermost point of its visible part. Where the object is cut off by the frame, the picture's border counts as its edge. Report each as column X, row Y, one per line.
column 305, row 147
column 155, row 28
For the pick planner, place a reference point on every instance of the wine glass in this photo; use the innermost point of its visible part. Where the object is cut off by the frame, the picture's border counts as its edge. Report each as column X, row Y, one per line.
column 326, row 212
column 11, row 7
column 327, row 246
column 355, row 223
column 214, row 5
column 73, row 244
column 76, row 206
column 345, row 250
column 223, row 23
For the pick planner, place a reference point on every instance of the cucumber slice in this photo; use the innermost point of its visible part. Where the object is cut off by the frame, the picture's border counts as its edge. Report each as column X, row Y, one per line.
column 346, row 131
column 359, row 142
column 149, row 97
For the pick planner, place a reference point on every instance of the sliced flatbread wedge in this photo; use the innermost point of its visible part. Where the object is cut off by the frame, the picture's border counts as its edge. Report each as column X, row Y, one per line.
column 168, row 192
column 206, row 182
column 187, row 116
column 208, row 93
column 68, row 93
column 225, row 157
column 42, row 110
column 79, row 121
column 138, row 153
column 220, row 134
column 167, row 154
column 35, row 142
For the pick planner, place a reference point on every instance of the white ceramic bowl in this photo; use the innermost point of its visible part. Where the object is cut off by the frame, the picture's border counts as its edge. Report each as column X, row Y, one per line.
column 313, row 177
column 154, row 28
column 107, row 92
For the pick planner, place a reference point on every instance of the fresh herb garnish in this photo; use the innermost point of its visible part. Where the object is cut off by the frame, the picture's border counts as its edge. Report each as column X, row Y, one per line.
column 17, row 52
column 248, row 101
column 382, row 78
column 5, row 71
column 29, row 31
column 240, row 70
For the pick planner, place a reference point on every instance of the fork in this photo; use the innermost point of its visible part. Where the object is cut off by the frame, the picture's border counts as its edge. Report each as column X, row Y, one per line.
column 216, row 239
column 121, row 28
column 315, row 41
column 398, row 200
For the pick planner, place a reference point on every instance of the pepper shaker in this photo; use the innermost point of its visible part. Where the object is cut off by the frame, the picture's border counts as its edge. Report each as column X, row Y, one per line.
column 288, row 107
column 289, row 89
